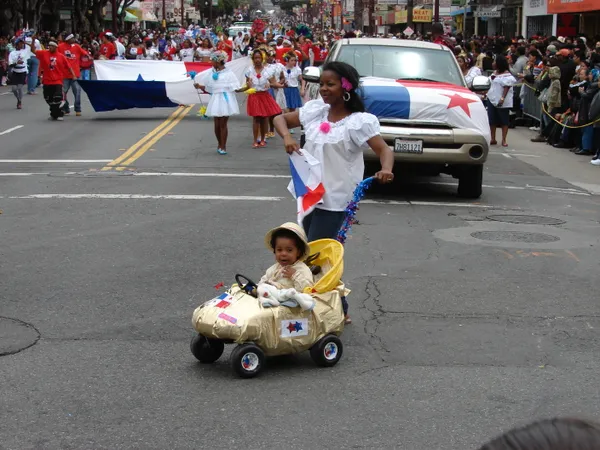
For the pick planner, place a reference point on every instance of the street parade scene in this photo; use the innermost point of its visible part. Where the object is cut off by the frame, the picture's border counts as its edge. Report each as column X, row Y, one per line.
column 260, row 224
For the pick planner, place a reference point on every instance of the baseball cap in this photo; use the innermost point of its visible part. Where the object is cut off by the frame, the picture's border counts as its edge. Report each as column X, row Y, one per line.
column 52, row 44
column 551, row 48
column 71, row 36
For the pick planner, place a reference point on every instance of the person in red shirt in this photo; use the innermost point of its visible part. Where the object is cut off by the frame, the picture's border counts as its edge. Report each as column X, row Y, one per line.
column 437, row 35
column 107, row 49
column 73, row 52
column 56, row 68
column 225, row 45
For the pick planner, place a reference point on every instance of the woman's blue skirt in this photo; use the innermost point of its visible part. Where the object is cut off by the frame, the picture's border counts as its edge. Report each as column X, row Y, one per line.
column 292, row 97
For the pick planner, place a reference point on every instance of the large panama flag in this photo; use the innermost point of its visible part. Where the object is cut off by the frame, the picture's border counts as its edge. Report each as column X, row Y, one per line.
column 123, row 84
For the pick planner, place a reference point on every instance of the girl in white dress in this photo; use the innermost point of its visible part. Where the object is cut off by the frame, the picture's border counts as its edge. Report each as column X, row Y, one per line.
column 277, row 84
column 222, row 83
column 337, row 129
column 293, row 77
column 187, row 52
column 204, row 51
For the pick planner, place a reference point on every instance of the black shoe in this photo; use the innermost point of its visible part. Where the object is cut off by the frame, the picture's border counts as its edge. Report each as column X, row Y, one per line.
column 538, row 139
column 560, row 144
column 584, row 152
column 574, row 149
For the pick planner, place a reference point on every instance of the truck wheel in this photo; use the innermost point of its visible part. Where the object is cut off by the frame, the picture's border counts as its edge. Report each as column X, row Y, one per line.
column 327, row 351
column 470, row 181
column 247, row 360
column 206, row 350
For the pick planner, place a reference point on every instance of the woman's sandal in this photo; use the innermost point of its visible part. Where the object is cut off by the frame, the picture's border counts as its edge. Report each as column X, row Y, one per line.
column 256, row 145
column 494, row 143
column 262, row 144
column 504, row 144
column 347, row 319
column 220, row 151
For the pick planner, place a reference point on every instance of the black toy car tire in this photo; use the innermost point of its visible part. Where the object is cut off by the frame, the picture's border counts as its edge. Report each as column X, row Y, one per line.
column 206, row 350
column 327, row 351
column 247, row 360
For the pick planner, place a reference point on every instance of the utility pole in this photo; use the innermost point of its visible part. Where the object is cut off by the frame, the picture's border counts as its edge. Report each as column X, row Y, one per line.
column 164, row 24
column 182, row 13
column 409, row 14
column 436, row 11
column 114, row 16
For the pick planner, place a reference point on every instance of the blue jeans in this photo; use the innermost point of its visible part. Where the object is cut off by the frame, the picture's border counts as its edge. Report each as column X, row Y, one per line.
column 74, row 85
column 33, row 67
column 86, row 74
column 587, row 138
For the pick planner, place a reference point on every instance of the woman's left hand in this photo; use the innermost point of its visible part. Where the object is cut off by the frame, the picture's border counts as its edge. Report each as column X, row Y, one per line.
column 384, row 176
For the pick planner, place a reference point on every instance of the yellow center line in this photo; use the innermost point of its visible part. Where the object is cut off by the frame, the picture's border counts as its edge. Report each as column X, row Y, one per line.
column 131, row 150
column 148, row 145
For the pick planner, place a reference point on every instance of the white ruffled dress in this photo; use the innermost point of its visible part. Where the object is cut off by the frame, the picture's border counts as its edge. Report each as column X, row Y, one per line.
column 340, row 151
column 223, row 102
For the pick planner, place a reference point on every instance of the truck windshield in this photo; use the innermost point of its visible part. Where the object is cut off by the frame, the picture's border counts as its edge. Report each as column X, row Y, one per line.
column 402, row 63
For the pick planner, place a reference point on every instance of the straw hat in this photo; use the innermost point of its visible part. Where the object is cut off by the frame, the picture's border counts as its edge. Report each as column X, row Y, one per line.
column 294, row 228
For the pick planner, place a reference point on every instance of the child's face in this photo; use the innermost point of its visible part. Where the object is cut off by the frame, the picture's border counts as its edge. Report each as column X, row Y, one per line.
column 286, row 252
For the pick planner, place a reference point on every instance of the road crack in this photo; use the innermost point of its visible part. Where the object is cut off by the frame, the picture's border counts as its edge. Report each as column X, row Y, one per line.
column 375, row 314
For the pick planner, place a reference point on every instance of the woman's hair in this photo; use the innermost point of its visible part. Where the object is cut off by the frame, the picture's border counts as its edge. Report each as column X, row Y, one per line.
column 289, row 234
column 290, row 55
column 343, row 70
column 260, row 52
column 549, row 434
column 501, row 64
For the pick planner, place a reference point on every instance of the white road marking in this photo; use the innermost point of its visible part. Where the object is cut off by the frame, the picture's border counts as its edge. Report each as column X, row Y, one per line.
column 192, row 174
column 58, row 161
column 506, row 155
column 147, row 197
column 528, row 187
column 22, row 174
column 10, row 130
column 6, row 93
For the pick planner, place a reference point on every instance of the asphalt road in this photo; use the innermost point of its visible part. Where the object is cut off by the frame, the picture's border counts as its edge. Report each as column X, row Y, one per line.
column 465, row 324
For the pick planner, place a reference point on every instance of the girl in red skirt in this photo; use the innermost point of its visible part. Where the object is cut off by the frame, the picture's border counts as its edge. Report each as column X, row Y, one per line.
column 261, row 104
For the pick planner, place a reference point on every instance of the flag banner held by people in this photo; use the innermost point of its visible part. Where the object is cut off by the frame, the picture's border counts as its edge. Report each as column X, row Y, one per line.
column 433, row 102
column 150, row 84
column 306, row 184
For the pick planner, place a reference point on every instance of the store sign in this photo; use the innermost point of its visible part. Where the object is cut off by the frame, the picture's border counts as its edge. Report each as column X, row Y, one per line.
column 535, row 8
column 571, row 6
column 488, row 12
column 400, row 17
column 422, row 15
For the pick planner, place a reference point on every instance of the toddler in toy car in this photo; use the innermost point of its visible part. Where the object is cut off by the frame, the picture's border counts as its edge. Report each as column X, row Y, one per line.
column 289, row 276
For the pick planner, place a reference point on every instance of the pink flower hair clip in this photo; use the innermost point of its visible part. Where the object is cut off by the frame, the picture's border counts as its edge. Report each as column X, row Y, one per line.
column 325, row 127
column 346, row 85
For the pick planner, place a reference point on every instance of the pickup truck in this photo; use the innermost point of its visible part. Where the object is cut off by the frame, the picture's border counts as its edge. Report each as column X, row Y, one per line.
column 428, row 116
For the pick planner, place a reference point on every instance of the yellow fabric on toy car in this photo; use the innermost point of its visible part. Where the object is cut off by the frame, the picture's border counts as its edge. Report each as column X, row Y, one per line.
column 331, row 260
column 239, row 317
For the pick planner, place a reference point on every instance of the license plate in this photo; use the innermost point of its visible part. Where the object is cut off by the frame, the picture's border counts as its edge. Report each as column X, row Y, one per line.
column 408, row 146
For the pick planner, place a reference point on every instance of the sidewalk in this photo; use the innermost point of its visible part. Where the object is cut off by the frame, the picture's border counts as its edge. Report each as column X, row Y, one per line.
column 559, row 163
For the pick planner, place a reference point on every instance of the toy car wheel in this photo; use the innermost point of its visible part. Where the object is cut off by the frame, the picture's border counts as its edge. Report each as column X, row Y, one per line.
column 327, row 351
column 247, row 360
column 206, row 350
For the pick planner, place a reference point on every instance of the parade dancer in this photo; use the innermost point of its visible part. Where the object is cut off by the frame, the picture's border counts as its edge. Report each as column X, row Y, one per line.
column 17, row 61
column 260, row 105
column 293, row 75
column 55, row 67
column 276, row 80
column 222, row 83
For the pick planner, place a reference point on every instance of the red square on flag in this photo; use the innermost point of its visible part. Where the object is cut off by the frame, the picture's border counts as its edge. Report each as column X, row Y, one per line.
column 223, row 304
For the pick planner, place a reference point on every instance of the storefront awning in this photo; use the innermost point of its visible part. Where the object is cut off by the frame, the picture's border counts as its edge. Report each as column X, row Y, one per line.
column 460, row 12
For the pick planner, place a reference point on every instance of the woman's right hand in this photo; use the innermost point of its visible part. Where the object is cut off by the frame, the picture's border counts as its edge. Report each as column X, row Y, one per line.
column 291, row 145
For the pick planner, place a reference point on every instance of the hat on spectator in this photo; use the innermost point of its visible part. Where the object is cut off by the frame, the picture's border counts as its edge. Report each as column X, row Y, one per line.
column 551, row 49
column 52, row 44
column 69, row 37
column 564, row 52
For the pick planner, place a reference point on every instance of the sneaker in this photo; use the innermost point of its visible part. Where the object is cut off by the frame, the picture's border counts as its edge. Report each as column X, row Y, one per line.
column 78, row 114
column 534, row 128
column 60, row 119
column 220, row 151
column 19, row 106
column 538, row 139
column 595, row 162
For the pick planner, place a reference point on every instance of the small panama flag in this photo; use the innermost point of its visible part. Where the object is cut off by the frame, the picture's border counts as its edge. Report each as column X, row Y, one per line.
column 294, row 327
column 306, row 185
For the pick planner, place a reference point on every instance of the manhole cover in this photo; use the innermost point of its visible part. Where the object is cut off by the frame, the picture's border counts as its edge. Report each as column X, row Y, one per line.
column 16, row 335
column 514, row 236
column 527, row 220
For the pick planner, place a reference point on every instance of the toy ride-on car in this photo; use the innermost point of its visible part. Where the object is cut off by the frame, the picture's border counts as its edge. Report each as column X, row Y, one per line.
column 237, row 317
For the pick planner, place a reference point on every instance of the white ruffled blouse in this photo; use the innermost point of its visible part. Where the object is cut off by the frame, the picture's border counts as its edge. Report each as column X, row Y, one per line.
column 340, row 151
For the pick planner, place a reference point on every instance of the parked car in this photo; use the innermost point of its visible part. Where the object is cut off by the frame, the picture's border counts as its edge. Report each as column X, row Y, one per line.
column 428, row 116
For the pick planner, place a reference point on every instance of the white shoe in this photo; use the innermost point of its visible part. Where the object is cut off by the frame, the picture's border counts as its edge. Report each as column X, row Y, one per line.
column 60, row 119
column 595, row 162
column 534, row 128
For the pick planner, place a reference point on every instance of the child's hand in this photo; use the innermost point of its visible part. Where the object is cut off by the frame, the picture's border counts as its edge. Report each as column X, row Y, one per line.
column 288, row 271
